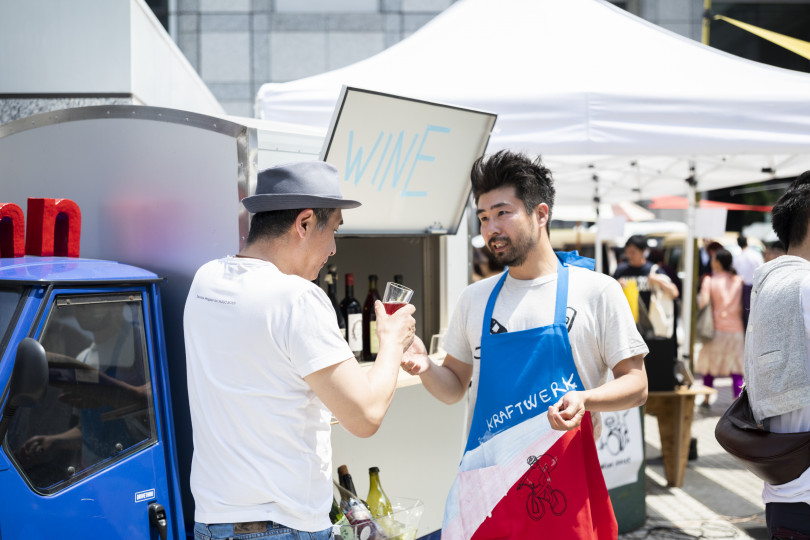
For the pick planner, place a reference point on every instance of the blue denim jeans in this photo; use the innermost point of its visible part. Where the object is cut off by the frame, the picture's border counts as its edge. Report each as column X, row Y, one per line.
column 273, row 531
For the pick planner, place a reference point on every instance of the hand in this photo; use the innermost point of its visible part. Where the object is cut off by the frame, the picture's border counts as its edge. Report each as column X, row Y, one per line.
column 399, row 327
column 38, row 445
column 567, row 413
column 416, row 361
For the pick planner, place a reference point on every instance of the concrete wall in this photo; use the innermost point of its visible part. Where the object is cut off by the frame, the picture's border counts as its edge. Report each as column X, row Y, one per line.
column 238, row 45
column 55, row 55
column 683, row 17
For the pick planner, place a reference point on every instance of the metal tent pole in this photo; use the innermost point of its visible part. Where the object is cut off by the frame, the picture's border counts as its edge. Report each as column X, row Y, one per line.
column 689, row 290
column 598, row 242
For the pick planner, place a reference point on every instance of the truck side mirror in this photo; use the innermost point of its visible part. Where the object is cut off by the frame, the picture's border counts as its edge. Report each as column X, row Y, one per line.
column 29, row 380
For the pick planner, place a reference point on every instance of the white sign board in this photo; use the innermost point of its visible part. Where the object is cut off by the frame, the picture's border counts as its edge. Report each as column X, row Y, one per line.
column 407, row 161
column 612, row 227
column 621, row 447
column 710, row 222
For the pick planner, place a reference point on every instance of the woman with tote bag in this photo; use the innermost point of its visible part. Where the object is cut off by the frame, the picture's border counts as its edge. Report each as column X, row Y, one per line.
column 722, row 356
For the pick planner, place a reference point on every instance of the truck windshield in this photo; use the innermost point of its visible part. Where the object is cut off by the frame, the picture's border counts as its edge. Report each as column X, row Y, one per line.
column 98, row 408
column 9, row 300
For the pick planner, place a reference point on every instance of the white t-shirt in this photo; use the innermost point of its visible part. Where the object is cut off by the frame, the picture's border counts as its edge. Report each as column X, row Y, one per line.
column 262, row 448
column 601, row 329
column 797, row 490
column 746, row 263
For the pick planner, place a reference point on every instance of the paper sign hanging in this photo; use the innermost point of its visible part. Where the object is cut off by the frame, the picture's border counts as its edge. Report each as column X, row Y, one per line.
column 612, row 227
column 710, row 222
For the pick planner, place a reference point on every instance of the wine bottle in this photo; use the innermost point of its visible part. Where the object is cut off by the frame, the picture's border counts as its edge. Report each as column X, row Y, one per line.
column 378, row 502
column 331, row 292
column 353, row 314
column 399, row 279
column 359, row 517
column 335, row 514
column 345, row 480
column 370, row 342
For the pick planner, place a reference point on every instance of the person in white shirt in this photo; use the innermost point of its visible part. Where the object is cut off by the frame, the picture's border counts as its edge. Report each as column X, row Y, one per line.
column 512, row 340
column 777, row 353
column 745, row 264
column 268, row 367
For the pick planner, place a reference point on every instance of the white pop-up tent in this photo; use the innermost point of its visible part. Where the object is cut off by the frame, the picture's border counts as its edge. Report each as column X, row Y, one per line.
column 593, row 89
column 619, row 108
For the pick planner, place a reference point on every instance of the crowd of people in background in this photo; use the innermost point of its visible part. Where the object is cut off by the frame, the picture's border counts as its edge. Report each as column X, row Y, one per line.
column 724, row 280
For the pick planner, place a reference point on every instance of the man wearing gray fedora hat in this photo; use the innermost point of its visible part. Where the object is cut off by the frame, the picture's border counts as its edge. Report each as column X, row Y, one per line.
column 267, row 366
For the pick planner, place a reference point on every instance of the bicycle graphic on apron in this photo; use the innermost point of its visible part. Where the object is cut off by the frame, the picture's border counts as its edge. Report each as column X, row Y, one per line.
column 538, row 480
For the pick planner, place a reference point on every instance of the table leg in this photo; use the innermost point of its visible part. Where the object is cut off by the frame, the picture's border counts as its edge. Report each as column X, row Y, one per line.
column 675, row 429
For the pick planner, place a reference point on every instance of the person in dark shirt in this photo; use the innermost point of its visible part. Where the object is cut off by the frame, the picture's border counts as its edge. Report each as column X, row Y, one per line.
column 640, row 270
column 660, row 362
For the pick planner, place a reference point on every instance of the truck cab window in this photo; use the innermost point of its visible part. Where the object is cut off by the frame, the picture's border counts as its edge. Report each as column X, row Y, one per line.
column 99, row 406
column 9, row 299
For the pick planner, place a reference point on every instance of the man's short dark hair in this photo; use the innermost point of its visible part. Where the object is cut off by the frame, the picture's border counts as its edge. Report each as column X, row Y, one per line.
column 531, row 179
column 742, row 242
column 792, row 211
column 269, row 225
column 638, row 241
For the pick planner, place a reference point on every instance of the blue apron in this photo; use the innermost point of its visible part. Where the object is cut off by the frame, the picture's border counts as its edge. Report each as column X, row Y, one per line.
column 533, row 368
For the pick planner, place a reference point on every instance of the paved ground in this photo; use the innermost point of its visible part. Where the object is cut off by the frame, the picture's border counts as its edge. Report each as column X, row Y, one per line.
column 719, row 498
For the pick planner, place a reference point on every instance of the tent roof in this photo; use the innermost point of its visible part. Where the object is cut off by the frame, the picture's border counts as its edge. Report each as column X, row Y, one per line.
column 593, row 89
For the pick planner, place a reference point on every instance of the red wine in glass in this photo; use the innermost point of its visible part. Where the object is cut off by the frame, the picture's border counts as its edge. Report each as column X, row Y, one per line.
column 392, row 307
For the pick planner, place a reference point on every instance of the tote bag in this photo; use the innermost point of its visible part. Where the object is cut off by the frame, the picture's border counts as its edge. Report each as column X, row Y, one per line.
column 705, row 324
column 661, row 312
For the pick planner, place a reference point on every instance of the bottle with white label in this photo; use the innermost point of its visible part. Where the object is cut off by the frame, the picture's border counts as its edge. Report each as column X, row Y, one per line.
column 371, row 343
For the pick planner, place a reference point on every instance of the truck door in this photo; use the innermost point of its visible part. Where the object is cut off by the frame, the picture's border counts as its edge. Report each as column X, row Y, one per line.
column 89, row 458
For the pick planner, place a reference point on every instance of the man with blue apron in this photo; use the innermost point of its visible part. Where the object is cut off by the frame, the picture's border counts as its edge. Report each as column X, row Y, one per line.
column 537, row 343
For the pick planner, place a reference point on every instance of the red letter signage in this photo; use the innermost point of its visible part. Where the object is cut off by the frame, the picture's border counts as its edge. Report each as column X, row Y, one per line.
column 54, row 227
column 12, row 230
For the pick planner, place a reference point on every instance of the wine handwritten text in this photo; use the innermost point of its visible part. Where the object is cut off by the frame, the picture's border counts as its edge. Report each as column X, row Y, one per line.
column 389, row 162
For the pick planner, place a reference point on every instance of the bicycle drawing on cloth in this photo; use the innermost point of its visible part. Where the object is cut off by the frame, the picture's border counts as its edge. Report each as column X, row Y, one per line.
column 538, row 480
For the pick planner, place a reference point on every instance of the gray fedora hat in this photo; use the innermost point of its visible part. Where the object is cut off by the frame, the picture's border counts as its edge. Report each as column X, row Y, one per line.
column 309, row 184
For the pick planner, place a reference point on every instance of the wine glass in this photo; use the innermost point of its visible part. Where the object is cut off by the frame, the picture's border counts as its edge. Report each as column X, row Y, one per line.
column 396, row 295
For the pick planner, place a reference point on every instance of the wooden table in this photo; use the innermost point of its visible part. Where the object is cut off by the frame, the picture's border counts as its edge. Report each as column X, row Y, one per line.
column 675, row 410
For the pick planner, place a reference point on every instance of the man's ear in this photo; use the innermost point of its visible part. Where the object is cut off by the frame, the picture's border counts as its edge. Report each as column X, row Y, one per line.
column 305, row 222
column 542, row 211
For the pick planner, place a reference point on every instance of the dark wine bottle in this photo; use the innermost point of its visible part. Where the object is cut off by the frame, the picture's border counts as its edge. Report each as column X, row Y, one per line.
column 353, row 313
column 399, row 279
column 345, row 480
column 331, row 292
column 370, row 342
